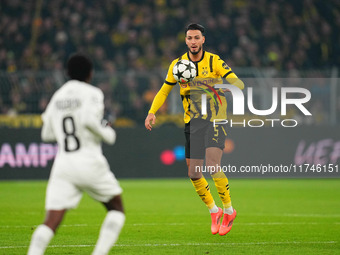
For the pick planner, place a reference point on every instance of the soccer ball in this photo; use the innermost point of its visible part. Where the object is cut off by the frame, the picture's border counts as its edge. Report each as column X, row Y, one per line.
column 184, row 71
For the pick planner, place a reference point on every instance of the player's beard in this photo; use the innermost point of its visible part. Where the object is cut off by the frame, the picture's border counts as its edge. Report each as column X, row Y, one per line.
column 195, row 52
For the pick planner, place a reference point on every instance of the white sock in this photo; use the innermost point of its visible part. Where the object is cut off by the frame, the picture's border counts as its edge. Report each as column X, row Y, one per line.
column 214, row 209
column 40, row 239
column 109, row 232
column 228, row 210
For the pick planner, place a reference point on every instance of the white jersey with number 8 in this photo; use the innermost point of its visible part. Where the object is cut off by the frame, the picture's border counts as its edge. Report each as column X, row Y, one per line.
column 73, row 119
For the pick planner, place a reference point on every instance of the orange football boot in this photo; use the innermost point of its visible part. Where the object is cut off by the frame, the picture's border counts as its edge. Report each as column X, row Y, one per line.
column 216, row 221
column 227, row 223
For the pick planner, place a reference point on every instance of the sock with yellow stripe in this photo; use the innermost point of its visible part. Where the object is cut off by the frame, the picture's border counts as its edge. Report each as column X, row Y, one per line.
column 202, row 188
column 222, row 186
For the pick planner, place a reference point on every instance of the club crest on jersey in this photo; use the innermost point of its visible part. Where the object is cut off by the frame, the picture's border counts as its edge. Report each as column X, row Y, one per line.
column 205, row 71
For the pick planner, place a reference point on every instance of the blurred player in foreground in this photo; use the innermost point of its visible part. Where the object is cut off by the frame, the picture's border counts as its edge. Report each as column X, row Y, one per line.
column 73, row 119
column 203, row 139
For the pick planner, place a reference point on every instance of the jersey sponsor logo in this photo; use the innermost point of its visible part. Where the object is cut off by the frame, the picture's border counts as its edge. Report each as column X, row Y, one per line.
column 204, row 82
column 200, row 82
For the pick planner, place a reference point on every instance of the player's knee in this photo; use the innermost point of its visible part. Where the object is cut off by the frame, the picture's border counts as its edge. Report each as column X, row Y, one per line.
column 212, row 164
column 213, row 167
column 115, row 204
column 212, row 161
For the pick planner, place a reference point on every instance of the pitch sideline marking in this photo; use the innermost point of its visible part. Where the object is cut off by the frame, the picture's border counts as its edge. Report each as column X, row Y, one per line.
column 260, row 214
column 179, row 224
column 177, row 244
column 245, row 214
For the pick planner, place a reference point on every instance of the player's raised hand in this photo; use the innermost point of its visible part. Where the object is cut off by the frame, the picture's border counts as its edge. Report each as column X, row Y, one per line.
column 150, row 119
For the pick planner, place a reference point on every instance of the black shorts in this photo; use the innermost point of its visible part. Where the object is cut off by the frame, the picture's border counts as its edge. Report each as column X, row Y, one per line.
column 201, row 134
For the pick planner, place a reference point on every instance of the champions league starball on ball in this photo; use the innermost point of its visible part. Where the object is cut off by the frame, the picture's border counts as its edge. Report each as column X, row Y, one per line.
column 184, row 71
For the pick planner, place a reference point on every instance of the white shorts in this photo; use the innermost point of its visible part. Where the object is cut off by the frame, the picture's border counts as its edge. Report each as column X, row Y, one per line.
column 68, row 182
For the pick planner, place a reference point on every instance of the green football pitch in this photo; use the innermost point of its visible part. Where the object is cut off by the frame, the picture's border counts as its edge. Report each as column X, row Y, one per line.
column 165, row 216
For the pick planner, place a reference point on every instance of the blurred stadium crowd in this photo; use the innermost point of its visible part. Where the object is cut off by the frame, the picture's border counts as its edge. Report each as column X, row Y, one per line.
column 128, row 37
column 147, row 35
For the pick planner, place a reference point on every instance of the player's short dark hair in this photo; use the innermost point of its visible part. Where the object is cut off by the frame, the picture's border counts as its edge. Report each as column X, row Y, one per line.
column 79, row 67
column 195, row 26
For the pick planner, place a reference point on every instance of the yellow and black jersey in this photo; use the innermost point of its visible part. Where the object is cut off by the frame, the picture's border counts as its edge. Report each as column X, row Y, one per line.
column 210, row 71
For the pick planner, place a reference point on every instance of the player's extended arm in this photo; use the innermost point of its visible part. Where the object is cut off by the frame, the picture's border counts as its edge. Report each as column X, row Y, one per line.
column 158, row 101
column 93, row 117
column 106, row 133
column 234, row 80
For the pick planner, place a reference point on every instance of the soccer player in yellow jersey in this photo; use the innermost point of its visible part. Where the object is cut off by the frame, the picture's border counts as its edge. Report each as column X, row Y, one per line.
column 204, row 140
